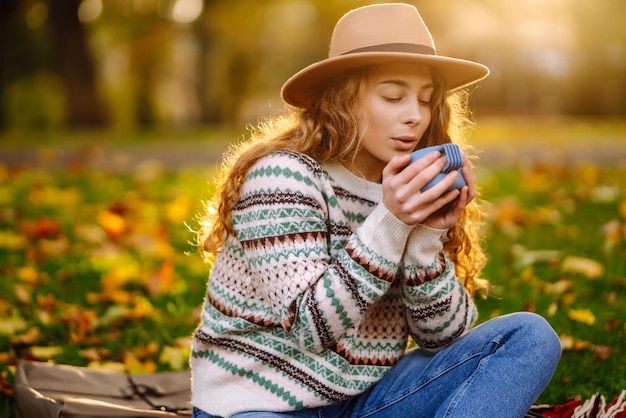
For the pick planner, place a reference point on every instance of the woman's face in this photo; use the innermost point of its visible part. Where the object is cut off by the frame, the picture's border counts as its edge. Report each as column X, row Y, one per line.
column 393, row 115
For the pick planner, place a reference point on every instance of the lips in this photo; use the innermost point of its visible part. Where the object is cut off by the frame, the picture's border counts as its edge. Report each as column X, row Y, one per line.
column 405, row 142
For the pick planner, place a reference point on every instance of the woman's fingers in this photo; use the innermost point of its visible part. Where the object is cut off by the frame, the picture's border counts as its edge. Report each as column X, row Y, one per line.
column 438, row 206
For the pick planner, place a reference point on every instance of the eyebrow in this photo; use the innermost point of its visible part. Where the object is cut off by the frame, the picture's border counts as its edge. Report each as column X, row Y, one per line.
column 402, row 83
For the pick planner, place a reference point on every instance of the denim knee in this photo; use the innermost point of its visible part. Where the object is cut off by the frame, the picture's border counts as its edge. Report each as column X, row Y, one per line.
column 540, row 337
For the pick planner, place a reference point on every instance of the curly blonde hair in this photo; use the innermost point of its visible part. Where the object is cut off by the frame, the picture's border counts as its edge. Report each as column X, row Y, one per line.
column 329, row 130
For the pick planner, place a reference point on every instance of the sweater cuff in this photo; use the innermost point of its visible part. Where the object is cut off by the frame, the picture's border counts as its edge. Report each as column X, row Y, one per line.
column 384, row 233
column 424, row 245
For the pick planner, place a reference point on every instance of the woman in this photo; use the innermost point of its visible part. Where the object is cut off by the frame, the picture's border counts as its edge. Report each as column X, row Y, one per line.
column 331, row 254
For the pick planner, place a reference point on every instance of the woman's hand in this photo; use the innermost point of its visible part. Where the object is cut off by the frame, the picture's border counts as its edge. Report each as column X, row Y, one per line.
column 449, row 215
column 435, row 207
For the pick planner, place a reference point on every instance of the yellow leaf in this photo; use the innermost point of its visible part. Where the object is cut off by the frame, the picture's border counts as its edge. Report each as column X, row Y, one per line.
column 584, row 316
column 175, row 357
column 11, row 241
column 114, row 224
column 567, row 341
column 109, row 366
column 28, row 274
column 11, row 326
column 55, row 247
column 142, row 308
column 178, row 210
column 29, row 338
column 138, row 367
column 45, row 353
column 559, row 287
column 94, row 353
column 92, row 234
column 585, row 266
column 23, row 294
column 552, row 309
column 604, row 194
column 113, row 313
column 569, row 299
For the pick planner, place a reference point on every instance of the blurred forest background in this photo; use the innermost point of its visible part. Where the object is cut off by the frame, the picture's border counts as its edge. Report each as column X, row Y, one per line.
column 134, row 64
column 96, row 260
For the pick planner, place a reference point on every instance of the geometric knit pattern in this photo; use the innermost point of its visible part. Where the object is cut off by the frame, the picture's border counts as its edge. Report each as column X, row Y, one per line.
column 314, row 298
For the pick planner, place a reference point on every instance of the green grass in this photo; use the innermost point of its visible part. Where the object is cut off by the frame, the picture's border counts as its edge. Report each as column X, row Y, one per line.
column 539, row 218
column 97, row 268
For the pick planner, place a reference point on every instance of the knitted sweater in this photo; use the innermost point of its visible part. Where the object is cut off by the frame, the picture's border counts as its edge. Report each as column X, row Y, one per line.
column 314, row 299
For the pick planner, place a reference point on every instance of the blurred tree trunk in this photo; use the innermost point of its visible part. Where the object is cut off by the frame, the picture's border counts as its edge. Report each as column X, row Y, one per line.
column 208, row 111
column 211, row 79
column 75, row 67
column 7, row 10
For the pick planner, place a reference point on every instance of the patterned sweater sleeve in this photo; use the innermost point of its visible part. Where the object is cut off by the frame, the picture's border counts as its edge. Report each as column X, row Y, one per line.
column 282, row 223
column 439, row 309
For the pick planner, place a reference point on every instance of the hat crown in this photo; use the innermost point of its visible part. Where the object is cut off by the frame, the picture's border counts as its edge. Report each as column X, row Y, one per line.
column 374, row 35
column 369, row 27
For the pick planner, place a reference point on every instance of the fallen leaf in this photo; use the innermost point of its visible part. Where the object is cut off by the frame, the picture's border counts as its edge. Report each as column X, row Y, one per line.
column 46, row 302
column 584, row 316
column 109, row 366
column 567, row 341
column 162, row 280
column 581, row 344
column 605, row 194
column 525, row 258
column 142, row 308
column 28, row 274
column 612, row 325
column 41, row 228
column 12, row 241
column 112, row 314
column 145, row 351
column 613, row 232
column 133, row 365
column 5, row 387
column 92, row 234
column 54, row 247
column 45, row 353
column 601, row 352
column 30, row 337
column 94, row 353
column 582, row 265
column 22, row 294
column 552, row 309
column 11, row 326
column 558, row 287
column 569, row 299
column 175, row 357
column 113, row 223
column 79, row 322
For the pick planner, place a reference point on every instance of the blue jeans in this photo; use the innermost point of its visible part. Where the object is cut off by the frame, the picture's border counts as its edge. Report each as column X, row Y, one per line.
column 496, row 370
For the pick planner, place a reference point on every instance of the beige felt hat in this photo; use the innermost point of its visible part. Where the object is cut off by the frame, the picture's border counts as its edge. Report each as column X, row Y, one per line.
column 376, row 34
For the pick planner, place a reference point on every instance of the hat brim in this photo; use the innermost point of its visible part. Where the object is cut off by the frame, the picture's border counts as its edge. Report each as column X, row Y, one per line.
column 303, row 86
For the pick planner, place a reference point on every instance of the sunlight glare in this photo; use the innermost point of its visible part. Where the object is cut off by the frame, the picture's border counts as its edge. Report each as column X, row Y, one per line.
column 186, row 11
column 89, row 10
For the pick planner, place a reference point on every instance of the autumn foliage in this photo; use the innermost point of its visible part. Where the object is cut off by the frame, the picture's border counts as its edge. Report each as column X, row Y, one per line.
column 97, row 268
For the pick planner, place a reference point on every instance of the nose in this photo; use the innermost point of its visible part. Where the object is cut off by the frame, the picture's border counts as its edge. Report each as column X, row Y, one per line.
column 413, row 113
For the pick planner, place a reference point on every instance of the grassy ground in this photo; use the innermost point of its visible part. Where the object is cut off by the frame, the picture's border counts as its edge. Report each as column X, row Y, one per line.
column 96, row 266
